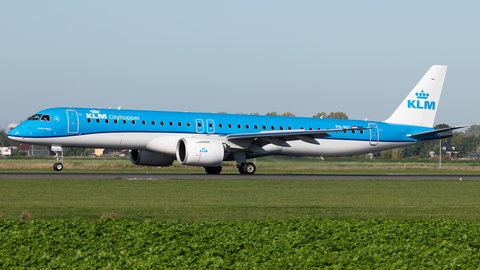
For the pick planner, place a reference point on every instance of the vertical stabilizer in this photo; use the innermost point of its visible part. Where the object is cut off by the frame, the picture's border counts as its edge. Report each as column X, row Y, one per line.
column 421, row 105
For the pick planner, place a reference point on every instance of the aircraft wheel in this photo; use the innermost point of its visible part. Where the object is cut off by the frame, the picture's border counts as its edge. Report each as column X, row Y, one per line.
column 58, row 166
column 249, row 168
column 213, row 170
column 241, row 168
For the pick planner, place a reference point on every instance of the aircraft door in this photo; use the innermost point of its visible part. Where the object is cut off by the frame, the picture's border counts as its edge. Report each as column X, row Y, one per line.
column 374, row 134
column 210, row 126
column 72, row 118
column 199, row 124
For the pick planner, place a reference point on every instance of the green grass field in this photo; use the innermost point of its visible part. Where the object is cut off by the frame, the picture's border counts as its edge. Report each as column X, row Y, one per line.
column 229, row 200
column 267, row 165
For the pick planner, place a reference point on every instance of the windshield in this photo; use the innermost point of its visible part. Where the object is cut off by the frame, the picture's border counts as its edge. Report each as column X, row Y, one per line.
column 35, row 117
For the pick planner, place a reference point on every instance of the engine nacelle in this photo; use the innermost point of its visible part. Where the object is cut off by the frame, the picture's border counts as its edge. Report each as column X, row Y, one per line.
column 200, row 152
column 142, row 157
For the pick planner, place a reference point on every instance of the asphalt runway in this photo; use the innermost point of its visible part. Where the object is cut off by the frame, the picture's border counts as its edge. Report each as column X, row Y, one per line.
column 163, row 176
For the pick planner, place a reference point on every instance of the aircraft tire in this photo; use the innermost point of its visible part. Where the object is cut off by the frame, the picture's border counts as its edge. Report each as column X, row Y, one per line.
column 58, row 167
column 241, row 168
column 213, row 170
column 249, row 168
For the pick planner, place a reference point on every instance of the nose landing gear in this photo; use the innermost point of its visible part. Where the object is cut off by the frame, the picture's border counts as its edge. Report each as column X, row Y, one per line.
column 58, row 166
column 59, row 155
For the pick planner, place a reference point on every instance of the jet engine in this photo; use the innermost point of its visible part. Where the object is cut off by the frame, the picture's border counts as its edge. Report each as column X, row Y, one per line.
column 142, row 157
column 200, row 152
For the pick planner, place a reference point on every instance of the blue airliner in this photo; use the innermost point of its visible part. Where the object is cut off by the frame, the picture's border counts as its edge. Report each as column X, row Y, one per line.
column 157, row 138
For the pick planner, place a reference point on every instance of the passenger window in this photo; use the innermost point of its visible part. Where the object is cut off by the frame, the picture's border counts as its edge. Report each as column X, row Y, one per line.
column 98, row 121
column 289, row 128
column 89, row 120
column 143, row 122
column 171, row 123
column 310, row 128
column 106, row 121
column 273, row 128
column 124, row 121
column 199, row 124
column 220, row 125
column 133, row 122
column 239, row 126
column 153, row 123
column 210, row 125
column 361, row 131
column 264, row 127
column 45, row 117
column 281, row 128
column 353, row 131
column 162, row 123
column 256, row 127
column 247, row 126
column 229, row 125
column 115, row 121
column 179, row 124
column 188, row 124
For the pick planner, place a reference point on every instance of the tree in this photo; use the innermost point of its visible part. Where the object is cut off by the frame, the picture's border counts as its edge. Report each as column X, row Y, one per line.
column 4, row 141
column 320, row 115
column 288, row 114
column 338, row 115
column 440, row 126
column 473, row 130
column 398, row 153
column 332, row 115
column 272, row 114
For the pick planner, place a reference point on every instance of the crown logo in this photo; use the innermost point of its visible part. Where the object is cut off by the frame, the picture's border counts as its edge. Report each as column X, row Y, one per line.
column 422, row 95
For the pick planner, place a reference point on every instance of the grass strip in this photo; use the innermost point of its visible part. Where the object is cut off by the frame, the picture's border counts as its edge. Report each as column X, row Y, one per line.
column 230, row 200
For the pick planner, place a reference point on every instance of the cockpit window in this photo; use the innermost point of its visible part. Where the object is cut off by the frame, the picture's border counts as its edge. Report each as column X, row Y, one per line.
column 45, row 117
column 35, row 117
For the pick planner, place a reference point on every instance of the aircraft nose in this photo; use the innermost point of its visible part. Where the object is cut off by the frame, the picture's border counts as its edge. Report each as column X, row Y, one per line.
column 16, row 132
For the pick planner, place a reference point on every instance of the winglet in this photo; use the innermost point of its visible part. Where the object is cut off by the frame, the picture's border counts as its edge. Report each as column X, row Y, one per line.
column 420, row 106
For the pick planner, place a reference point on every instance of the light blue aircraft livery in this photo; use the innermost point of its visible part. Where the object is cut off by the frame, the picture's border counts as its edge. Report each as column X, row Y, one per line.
column 157, row 138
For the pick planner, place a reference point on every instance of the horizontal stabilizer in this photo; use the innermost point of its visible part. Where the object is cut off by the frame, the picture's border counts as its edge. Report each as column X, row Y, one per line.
column 428, row 133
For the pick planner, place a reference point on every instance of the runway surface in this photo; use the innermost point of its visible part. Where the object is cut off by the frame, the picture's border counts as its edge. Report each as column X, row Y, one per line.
column 136, row 176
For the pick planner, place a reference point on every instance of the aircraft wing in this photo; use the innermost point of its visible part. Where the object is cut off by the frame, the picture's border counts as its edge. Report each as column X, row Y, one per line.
column 280, row 137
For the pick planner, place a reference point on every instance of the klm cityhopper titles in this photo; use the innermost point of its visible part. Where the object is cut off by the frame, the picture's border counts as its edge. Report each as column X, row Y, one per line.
column 157, row 138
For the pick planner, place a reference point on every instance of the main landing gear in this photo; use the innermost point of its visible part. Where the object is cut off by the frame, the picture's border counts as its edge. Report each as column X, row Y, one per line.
column 243, row 166
column 246, row 168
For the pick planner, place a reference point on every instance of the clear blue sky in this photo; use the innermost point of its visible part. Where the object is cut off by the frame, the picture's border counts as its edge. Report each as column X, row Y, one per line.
column 305, row 57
